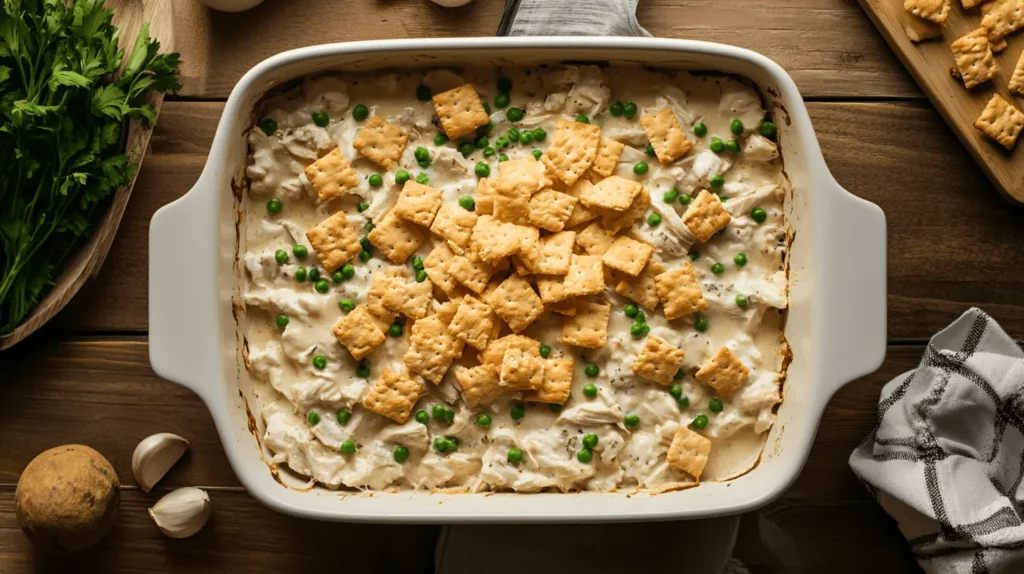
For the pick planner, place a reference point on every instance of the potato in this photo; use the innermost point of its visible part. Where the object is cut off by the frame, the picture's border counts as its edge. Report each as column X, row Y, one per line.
column 67, row 498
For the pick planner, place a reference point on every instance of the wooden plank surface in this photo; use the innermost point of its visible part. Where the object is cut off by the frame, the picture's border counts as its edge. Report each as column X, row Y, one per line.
column 953, row 242
column 828, row 46
column 931, row 62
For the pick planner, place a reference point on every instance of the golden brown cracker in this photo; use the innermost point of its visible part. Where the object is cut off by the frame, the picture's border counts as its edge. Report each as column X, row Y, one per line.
column 667, row 137
column 724, row 372
column 381, row 142
column 334, row 241
column 331, row 176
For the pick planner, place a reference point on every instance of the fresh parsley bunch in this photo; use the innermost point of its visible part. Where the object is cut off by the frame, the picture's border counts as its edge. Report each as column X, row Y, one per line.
column 63, row 110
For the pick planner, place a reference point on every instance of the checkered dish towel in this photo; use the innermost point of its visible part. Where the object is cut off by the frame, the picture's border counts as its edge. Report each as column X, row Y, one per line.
column 570, row 18
column 947, row 457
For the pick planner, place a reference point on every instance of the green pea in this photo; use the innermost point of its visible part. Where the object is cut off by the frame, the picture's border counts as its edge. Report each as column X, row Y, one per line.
column 654, row 219
column 736, row 127
column 421, row 276
column 676, row 391
column 300, row 251
column 321, row 119
column 685, row 199
column 401, row 176
column 502, row 158
column 501, row 142
column 631, row 310
column 629, row 109
column 694, row 255
column 740, row 259
column 501, row 100
column 670, row 195
column 639, row 330
column 525, row 138
column 440, row 139
column 300, row 274
column 481, row 142
column 348, row 446
column 281, row 256
column 449, row 417
column 268, row 126
column 515, row 455
column 438, row 412
column 504, row 84
column 368, row 226
column 545, row 350
column 585, row 455
column 615, row 109
column 679, row 374
column 282, row 320
column 320, row 362
column 441, row 444
column 539, row 134
column 482, row 170
column 590, row 440
column 467, row 149
column 314, row 274
column 360, row 112
column 683, row 401
column 650, row 151
column 489, row 151
column 421, row 154
column 555, row 407
column 640, row 168
column 640, row 317
column 759, row 215
column 517, row 412
column 274, row 206
column 422, row 178
column 514, row 114
column 537, row 153
column 592, row 370
column 717, row 181
column 466, row 202
column 700, row 323
column 347, row 305
column 700, row 130
column 732, row 146
column 417, row 262
column 715, row 405
column 631, row 420
column 423, row 93
column 348, row 271
column 513, row 135
column 483, row 420
column 338, row 276
column 362, row 206
column 363, row 372
column 700, row 421
column 718, row 268
column 343, row 416
column 767, row 129
column 322, row 286
column 365, row 256
column 375, row 180
column 487, row 107
column 590, row 390
column 313, row 417
column 583, row 119
column 395, row 330
column 717, row 145
column 422, row 417
column 400, row 453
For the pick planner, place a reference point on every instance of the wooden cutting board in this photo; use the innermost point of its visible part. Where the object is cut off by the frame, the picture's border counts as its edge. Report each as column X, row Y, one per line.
column 931, row 61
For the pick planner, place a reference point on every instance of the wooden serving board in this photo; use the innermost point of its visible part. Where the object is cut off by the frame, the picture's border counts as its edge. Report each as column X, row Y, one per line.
column 931, row 63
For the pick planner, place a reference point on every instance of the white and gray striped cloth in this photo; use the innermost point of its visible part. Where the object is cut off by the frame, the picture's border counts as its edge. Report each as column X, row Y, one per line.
column 947, row 457
column 570, row 18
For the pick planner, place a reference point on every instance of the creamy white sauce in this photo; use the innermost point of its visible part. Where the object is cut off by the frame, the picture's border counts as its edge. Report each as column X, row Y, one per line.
column 280, row 361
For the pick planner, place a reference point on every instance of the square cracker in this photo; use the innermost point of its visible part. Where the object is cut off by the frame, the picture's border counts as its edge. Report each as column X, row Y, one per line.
column 572, row 150
column 935, row 10
column 331, row 175
column 550, row 209
column 706, row 216
column 557, row 382
column 1000, row 121
column 556, row 253
column 1017, row 79
column 616, row 221
column 493, row 240
column 409, row 298
column 446, row 312
column 607, row 159
column 472, row 274
column 667, row 137
column 473, row 322
column 679, row 291
column 642, row 289
column 334, row 241
column 455, row 225
column 585, row 277
column 724, row 372
column 516, row 302
column 528, row 255
column 588, row 327
column 919, row 29
column 358, row 332
column 393, row 395
column 658, row 360
column 974, row 58
column 396, row 238
column 594, row 239
column 517, row 181
column 431, row 349
column 614, row 193
column 689, row 452
column 522, row 368
column 437, row 266
column 565, row 307
column 485, row 196
column 627, row 255
column 1000, row 17
column 494, row 353
column 460, row 111
column 581, row 213
column 968, row 4
column 552, row 291
column 381, row 142
column 417, row 203
column 375, row 296
column 479, row 384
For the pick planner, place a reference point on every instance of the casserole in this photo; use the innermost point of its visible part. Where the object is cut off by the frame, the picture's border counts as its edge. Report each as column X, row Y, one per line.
column 835, row 327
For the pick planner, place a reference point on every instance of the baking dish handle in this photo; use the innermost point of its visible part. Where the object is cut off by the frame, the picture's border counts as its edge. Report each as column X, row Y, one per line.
column 853, row 307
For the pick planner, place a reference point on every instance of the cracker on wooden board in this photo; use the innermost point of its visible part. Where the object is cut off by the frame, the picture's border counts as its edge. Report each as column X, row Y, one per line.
column 550, row 209
column 484, row 198
column 689, row 452
column 516, row 303
column 473, row 322
column 594, row 239
column 616, row 221
column 381, row 142
column 334, row 241
column 331, row 175
column 557, row 382
column 493, row 240
column 1017, row 80
column 585, row 277
column 396, row 238
column 455, row 225
column 358, row 332
column 522, row 368
column 580, row 213
column 1000, row 121
column 919, row 29
column 1001, row 18
column 614, row 193
column 437, row 265
column 705, row 217
column 572, row 150
column 607, row 158
column 460, row 111
column 642, row 289
column 935, row 10
column 494, row 353
column 393, row 395
column 723, row 372
column 658, row 360
column 679, row 291
column 667, row 137
column 479, row 384
column 588, row 327
column 974, row 58
column 417, row 203
column 556, row 253
column 627, row 255
column 409, row 298
column 431, row 349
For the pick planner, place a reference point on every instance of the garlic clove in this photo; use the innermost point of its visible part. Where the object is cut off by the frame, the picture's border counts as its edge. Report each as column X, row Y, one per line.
column 154, row 456
column 182, row 513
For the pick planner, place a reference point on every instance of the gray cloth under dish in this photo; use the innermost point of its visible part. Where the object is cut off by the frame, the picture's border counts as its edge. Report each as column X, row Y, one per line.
column 570, row 18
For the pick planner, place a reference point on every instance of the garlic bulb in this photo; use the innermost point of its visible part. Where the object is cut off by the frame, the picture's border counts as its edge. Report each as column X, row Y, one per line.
column 451, row 3
column 156, row 455
column 182, row 513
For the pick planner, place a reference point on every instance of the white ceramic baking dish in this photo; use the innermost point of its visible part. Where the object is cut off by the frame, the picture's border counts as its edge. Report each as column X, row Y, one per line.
column 836, row 322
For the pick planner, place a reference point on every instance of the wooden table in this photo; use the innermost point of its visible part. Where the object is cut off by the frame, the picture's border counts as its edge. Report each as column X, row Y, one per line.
column 952, row 244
